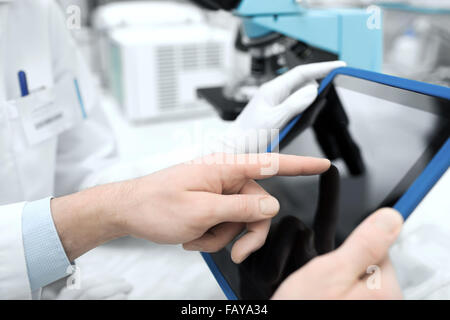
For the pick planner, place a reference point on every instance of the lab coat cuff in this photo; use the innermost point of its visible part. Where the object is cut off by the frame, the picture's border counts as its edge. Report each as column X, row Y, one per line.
column 46, row 259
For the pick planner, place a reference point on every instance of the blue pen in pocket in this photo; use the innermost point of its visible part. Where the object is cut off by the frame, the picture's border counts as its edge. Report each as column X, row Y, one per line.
column 23, row 83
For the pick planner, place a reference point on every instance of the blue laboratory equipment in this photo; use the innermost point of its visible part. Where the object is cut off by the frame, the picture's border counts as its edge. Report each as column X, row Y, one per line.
column 281, row 34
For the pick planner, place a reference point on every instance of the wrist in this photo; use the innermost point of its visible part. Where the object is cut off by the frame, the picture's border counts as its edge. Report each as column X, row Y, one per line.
column 87, row 219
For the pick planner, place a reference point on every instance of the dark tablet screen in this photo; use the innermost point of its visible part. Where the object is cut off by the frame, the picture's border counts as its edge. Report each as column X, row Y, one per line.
column 380, row 139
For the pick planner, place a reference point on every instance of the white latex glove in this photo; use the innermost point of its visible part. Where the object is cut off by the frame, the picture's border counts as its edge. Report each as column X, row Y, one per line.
column 274, row 105
column 421, row 260
column 97, row 288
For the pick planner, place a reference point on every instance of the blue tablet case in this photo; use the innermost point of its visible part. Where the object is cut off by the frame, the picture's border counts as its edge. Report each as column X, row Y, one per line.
column 421, row 186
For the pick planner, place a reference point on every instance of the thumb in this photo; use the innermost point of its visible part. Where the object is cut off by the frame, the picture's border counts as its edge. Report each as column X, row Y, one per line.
column 370, row 242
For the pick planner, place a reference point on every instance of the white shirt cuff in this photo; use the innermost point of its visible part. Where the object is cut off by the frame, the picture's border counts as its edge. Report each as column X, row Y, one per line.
column 46, row 259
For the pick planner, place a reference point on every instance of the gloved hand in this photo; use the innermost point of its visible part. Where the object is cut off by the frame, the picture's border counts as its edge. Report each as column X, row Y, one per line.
column 274, row 105
column 97, row 288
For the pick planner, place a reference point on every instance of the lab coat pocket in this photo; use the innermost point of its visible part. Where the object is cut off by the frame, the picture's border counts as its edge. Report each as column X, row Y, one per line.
column 29, row 134
column 48, row 112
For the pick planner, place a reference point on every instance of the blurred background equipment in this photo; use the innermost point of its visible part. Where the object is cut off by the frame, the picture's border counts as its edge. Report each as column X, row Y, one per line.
column 417, row 40
column 283, row 34
column 157, row 54
column 270, row 37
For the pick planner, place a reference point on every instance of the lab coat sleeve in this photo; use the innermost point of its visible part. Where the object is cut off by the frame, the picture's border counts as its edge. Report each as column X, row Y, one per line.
column 14, row 282
column 90, row 145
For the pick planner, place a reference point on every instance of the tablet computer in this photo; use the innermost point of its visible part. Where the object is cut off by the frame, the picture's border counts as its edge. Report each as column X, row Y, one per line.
column 388, row 139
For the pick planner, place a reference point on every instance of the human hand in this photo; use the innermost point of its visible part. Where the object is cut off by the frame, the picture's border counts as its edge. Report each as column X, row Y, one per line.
column 206, row 206
column 274, row 105
column 203, row 205
column 343, row 273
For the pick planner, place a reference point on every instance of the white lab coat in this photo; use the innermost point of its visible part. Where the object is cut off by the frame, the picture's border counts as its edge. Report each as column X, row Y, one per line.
column 33, row 37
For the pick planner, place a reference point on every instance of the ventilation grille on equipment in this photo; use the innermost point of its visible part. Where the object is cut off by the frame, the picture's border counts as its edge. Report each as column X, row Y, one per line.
column 167, row 77
column 174, row 60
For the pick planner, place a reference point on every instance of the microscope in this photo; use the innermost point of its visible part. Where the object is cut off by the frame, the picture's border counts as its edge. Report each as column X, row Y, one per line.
column 282, row 34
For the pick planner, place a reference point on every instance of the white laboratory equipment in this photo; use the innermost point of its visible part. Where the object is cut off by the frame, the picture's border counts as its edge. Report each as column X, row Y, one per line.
column 157, row 54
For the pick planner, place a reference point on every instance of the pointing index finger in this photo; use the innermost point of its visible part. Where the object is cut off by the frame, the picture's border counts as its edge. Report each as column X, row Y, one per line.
column 264, row 166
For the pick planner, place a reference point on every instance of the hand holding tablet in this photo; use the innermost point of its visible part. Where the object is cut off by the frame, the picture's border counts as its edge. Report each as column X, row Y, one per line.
column 359, row 269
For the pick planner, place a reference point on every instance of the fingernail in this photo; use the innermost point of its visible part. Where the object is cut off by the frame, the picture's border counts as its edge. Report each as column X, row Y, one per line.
column 322, row 161
column 389, row 220
column 239, row 261
column 243, row 258
column 326, row 163
column 269, row 206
